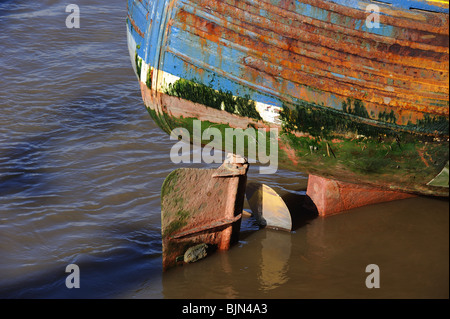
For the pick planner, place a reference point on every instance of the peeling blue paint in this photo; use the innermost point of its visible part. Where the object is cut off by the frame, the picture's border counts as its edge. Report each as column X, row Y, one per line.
column 403, row 4
column 176, row 66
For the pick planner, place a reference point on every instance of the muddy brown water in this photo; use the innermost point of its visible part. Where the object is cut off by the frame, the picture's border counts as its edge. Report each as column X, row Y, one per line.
column 81, row 168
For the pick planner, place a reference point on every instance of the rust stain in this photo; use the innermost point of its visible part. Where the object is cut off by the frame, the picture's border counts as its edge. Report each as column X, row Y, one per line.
column 406, row 73
column 322, row 56
column 420, row 152
column 395, row 17
column 135, row 27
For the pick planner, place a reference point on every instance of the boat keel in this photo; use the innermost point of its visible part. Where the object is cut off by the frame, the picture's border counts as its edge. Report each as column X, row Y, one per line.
column 332, row 197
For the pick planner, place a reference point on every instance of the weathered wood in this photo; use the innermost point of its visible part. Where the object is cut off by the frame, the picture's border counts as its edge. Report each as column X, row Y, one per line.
column 373, row 102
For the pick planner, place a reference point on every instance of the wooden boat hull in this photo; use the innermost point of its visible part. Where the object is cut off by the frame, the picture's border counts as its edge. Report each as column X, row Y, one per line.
column 360, row 104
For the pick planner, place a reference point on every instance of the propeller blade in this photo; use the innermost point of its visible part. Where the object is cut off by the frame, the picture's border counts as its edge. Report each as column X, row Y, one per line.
column 268, row 208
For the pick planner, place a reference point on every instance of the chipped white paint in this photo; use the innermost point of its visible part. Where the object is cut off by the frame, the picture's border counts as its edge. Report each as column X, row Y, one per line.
column 144, row 70
column 166, row 79
column 269, row 113
column 441, row 180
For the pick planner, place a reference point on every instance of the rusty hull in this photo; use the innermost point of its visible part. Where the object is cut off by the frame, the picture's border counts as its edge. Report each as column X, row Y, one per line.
column 375, row 95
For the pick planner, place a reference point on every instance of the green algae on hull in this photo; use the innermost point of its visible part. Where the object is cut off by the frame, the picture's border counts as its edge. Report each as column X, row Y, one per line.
column 173, row 223
column 397, row 160
column 322, row 121
column 138, row 62
column 203, row 94
column 345, row 144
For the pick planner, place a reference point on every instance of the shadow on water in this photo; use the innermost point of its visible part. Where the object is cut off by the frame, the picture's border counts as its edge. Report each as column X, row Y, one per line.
column 26, row 172
column 66, row 102
column 25, row 165
column 133, row 256
column 101, row 276
column 20, row 169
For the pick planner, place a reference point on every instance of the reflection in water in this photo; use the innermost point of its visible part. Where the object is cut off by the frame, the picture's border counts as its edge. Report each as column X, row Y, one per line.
column 327, row 257
column 275, row 253
column 258, row 264
column 401, row 237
